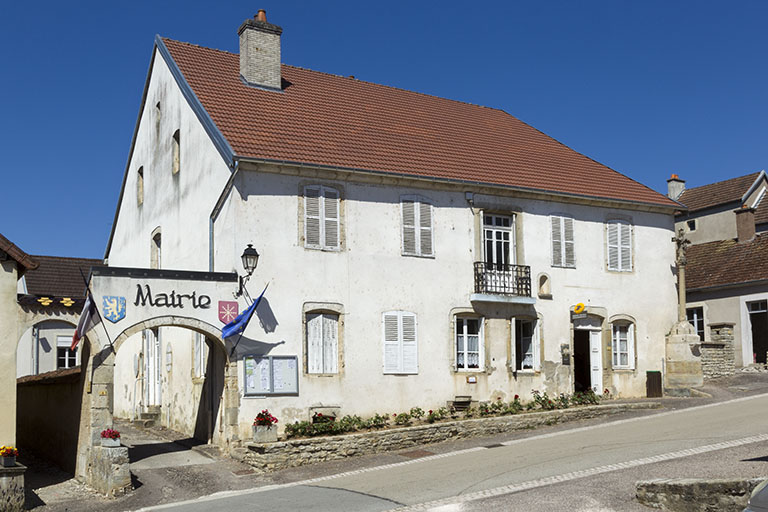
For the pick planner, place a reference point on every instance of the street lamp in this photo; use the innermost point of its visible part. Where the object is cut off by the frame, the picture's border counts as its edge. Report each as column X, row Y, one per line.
column 250, row 259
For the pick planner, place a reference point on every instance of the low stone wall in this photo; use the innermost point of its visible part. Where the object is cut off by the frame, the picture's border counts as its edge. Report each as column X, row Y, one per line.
column 110, row 472
column 299, row 452
column 691, row 495
column 717, row 356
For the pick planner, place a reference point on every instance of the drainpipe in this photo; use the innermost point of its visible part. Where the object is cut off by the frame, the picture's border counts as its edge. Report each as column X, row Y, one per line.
column 235, row 166
column 36, row 356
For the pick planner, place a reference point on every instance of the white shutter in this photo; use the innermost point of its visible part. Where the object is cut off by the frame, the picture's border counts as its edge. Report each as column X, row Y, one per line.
column 391, row 343
column 330, row 343
column 569, row 256
column 536, row 342
column 557, row 242
column 631, row 345
column 425, row 229
column 314, row 343
column 312, row 216
column 613, row 245
column 409, row 227
column 626, row 246
column 410, row 348
column 331, row 218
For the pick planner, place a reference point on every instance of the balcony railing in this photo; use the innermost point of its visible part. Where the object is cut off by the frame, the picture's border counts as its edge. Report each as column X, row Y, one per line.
column 494, row 278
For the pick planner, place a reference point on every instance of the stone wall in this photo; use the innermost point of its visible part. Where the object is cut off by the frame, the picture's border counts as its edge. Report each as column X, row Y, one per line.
column 717, row 355
column 691, row 495
column 299, row 452
column 12, row 488
column 110, row 472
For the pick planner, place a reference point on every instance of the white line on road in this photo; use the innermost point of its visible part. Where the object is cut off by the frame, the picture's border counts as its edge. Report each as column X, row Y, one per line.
column 266, row 488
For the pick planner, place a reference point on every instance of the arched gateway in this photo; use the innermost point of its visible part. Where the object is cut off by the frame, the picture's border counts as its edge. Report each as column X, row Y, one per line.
column 132, row 300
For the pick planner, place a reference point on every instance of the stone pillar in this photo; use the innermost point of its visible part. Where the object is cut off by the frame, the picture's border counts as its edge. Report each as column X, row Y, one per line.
column 717, row 355
column 9, row 338
column 111, row 473
column 682, row 363
column 231, row 405
column 12, row 488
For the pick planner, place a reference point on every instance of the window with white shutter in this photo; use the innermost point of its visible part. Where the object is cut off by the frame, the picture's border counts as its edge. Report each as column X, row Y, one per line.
column 623, row 345
column 526, row 343
column 322, row 342
column 619, row 242
column 469, row 343
column 321, row 218
column 563, row 253
column 400, row 342
column 417, row 226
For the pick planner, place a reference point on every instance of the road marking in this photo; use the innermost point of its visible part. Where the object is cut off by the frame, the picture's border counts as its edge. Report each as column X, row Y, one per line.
column 273, row 487
column 449, row 503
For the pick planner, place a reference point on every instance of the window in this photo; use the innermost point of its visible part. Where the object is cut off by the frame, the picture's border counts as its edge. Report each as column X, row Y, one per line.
column 469, row 343
column 200, row 356
column 760, row 306
column 498, row 241
column 562, row 241
column 696, row 318
column 65, row 358
column 176, row 152
column 526, row 343
column 619, row 245
column 400, row 344
column 623, row 345
column 691, row 225
column 417, row 227
column 140, row 186
column 321, row 218
column 322, row 342
column 155, row 249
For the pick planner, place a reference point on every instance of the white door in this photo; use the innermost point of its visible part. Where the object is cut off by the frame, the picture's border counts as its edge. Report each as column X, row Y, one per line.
column 595, row 362
column 499, row 248
column 152, row 367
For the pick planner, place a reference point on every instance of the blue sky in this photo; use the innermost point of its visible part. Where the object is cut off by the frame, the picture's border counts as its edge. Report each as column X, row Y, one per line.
column 648, row 88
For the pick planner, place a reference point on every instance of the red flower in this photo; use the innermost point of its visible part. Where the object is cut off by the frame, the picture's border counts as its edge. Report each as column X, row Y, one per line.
column 517, row 396
column 430, row 411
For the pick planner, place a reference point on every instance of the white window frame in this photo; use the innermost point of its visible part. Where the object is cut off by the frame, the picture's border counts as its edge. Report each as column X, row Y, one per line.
column 420, row 232
column 328, row 346
column 695, row 320
column 559, row 244
column 623, row 250
column 66, row 342
column 481, row 343
column 199, row 357
column 512, row 257
column 535, row 343
column 400, row 345
column 323, row 218
column 615, row 352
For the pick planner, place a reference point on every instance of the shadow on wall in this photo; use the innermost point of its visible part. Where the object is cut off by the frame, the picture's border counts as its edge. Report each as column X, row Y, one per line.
column 266, row 315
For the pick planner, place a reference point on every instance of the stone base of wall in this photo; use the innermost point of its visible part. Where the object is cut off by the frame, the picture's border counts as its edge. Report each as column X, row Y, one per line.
column 717, row 356
column 12, row 488
column 299, row 452
column 691, row 495
column 110, row 470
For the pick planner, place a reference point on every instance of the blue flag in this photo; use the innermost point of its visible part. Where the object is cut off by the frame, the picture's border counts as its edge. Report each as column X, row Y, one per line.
column 238, row 325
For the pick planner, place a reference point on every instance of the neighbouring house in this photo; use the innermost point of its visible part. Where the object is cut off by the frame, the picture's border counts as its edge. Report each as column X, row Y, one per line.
column 418, row 250
column 727, row 271
column 51, row 298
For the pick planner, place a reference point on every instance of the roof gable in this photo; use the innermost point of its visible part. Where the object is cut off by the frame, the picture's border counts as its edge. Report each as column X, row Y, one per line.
column 720, row 193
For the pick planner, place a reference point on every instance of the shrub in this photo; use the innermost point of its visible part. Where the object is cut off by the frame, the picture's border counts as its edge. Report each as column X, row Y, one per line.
column 403, row 418
column 417, row 412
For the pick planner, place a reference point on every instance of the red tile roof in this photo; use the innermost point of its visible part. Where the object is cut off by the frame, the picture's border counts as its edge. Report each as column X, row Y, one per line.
column 727, row 262
column 59, row 277
column 19, row 256
column 718, row 193
column 329, row 120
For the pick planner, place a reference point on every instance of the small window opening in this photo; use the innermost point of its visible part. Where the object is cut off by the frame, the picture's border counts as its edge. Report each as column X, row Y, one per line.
column 176, row 152
column 140, row 186
column 692, row 225
column 155, row 260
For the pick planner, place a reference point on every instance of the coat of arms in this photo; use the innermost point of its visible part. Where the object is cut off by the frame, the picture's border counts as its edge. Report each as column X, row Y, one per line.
column 227, row 311
column 113, row 308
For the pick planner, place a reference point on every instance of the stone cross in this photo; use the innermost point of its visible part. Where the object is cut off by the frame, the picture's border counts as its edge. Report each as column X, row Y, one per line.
column 680, row 258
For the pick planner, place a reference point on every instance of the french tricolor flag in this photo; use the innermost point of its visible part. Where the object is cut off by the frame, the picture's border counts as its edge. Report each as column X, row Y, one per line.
column 88, row 319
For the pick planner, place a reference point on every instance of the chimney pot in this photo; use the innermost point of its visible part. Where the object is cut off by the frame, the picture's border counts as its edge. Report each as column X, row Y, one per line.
column 675, row 187
column 675, row 176
column 261, row 15
column 260, row 52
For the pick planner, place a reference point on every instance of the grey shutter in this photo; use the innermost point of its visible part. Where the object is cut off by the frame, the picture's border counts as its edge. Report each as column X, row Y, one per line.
column 626, row 246
column 314, row 343
column 613, row 245
column 425, row 229
column 557, row 242
column 569, row 256
column 312, row 216
column 391, row 343
column 330, row 343
column 331, row 218
column 410, row 348
column 409, row 227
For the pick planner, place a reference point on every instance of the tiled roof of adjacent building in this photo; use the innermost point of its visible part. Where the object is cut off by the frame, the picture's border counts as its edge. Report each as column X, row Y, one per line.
column 761, row 212
column 25, row 260
column 727, row 262
column 718, row 193
column 59, row 277
column 328, row 120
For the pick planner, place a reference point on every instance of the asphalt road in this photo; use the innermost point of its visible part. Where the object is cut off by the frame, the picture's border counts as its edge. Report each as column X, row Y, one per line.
column 507, row 474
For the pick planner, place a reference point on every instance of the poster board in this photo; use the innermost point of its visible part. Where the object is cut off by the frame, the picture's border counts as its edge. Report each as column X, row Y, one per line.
column 270, row 375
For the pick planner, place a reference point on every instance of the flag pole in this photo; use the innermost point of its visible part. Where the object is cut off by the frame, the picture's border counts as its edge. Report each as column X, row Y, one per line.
column 88, row 289
column 234, row 347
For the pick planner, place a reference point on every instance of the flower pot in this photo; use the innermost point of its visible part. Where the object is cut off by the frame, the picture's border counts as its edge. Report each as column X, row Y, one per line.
column 108, row 442
column 9, row 462
column 264, row 434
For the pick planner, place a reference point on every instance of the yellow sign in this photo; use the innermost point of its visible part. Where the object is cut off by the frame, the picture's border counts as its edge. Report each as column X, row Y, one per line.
column 579, row 308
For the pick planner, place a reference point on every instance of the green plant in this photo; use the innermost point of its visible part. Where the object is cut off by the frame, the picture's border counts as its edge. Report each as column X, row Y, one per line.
column 470, row 412
column 484, row 409
column 378, row 421
column 403, row 419
column 542, row 400
column 264, row 418
column 417, row 412
column 563, row 401
column 498, row 406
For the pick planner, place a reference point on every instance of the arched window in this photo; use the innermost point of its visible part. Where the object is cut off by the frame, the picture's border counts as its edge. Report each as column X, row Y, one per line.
column 176, row 152
column 623, row 344
column 140, row 186
column 155, row 249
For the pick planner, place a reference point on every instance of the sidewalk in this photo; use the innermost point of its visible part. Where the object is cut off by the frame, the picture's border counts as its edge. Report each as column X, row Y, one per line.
column 168, row 467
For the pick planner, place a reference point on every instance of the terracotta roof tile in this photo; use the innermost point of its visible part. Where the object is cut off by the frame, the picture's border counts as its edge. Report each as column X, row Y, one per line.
column 718, row 193
column 19, row 256
column 329, row 120
column 59, row 277
column 727, row 262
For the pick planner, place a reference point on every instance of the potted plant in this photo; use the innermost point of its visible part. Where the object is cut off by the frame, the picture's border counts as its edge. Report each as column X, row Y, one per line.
column 9, row 454
column 264, row 430
column 110, row 438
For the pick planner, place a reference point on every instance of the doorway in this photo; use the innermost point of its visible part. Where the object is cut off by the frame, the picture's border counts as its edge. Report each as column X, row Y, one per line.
column 587, row 363
column 758, row 319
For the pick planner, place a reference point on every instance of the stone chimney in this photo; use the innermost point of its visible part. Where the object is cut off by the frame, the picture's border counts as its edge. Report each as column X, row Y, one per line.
column 675, row 186
column 260, row 52
column 745, row 223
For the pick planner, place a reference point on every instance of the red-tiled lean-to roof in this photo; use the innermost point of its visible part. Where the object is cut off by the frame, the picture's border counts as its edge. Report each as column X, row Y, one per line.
column 20, row 257
column 715, row 194
column 58, row 276
column 727, row 262
column 328, row 120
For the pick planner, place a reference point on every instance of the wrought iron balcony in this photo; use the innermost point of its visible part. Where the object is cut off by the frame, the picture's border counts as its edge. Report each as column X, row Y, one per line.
column 499, row 279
